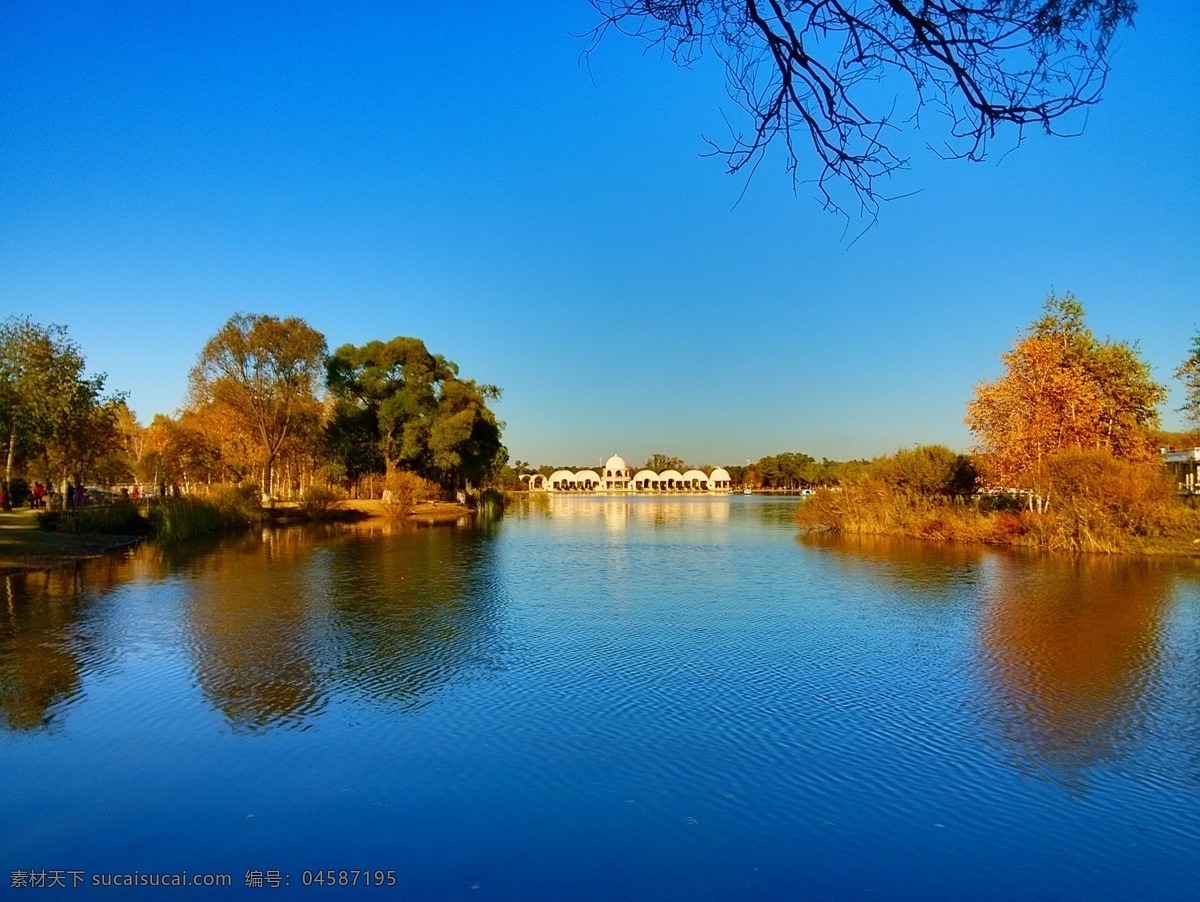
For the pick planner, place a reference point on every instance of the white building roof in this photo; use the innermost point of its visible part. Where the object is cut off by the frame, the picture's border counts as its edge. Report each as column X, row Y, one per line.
column 616, row 463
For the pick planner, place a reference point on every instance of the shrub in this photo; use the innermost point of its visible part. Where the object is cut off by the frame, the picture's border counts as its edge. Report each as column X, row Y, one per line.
column 180, row 519
column 1094, row 499
column 929, row 470
column 404, row 489
column 490, row 503
column 48, row 519
column 1088, row 501
column 18, row 490
column 122, row 519
column 237, row 504
column 318, row 500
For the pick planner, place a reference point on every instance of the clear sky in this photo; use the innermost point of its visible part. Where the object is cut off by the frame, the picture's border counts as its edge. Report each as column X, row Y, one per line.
column 451, row 171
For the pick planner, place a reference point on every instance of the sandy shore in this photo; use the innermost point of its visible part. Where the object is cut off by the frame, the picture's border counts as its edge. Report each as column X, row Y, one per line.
column 432, row 512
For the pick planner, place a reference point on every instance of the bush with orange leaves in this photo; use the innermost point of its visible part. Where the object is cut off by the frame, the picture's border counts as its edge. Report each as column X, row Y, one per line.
column 1093, row 502
column 404, row 489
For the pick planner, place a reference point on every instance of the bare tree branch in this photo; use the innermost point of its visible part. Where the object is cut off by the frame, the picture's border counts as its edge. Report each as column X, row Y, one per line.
column 805, row 71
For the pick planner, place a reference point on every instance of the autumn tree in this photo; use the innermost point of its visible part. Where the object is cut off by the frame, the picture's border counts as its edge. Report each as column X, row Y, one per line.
column 808, row 74
column 1189, row 374
column 1063, row 389
column 267, row 371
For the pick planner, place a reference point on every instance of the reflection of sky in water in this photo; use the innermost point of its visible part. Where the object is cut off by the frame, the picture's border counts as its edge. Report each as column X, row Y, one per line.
column 680, row 686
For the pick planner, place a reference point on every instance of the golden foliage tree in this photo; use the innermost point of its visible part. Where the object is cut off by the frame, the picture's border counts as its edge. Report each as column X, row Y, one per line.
column 1063, row 389
column 267, row 371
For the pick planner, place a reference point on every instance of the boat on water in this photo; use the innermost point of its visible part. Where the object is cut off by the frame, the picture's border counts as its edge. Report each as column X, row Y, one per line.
column 747, row 491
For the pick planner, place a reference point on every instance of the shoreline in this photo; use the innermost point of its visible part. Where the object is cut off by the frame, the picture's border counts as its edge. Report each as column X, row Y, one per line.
column 25, row 548
column 1149, row 548
column 870, row 510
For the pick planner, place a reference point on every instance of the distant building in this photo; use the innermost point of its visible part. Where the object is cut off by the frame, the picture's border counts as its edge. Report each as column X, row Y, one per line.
column 1185, row 467
column 618, row 478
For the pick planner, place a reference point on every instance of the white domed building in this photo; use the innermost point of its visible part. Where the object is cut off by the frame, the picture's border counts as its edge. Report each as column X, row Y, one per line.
column 616, row 477
column 616, row 474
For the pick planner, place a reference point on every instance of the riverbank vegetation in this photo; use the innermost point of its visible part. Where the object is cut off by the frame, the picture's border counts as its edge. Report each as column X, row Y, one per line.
column 270, row 417
column 1066, row 457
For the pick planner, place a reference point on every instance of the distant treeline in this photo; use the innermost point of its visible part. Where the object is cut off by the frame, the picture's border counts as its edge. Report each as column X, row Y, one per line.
column 789, row 471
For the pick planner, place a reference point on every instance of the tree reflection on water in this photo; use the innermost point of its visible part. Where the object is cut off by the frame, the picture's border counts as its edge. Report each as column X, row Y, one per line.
column 39, row 658
column 1069, row 652
column 388, row 620
column 277, row 624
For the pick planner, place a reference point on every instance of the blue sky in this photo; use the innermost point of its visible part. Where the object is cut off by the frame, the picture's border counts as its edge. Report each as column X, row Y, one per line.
column 451, row 171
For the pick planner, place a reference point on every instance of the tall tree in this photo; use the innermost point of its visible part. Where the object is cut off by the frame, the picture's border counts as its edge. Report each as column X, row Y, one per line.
column 807, row 73
column 84, row 431
column 265, row 369
column 660, row 462
column 464, row 440
column 1189, row 374
column 1063, row 389
column 398, row 385
column 41, row 370
column 421, row 416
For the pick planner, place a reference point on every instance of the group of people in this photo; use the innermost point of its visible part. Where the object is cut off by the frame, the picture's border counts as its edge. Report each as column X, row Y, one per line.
column 37, row 495
column 42, row 496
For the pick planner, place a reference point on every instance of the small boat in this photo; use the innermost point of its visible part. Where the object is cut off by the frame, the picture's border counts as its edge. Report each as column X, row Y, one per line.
column 747, row 491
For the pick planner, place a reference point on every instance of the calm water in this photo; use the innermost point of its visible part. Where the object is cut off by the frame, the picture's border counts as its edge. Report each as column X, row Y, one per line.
column 608, row 699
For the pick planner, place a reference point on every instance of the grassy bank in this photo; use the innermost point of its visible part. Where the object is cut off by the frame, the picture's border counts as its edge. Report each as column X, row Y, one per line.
column 33, row 540
column 24, row 545
column 1078, row 500
column 1077, row 525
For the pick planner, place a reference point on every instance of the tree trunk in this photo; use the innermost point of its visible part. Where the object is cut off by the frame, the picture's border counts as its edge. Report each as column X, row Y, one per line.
column 12, row 453
column 77, row 502
column 268, row 479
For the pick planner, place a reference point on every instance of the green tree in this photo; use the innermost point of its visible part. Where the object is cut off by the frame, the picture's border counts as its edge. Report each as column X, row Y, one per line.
column 396, row 386
column 1189, row 374
column 267, row 371
column 928, row 471
column 41, row 372
column 351, row 441
column 84, row 432
column 414, row 411
column 660, row 462
column 464, row 441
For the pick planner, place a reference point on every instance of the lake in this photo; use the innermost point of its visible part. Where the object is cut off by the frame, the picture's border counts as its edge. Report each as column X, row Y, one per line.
column 601, row 698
